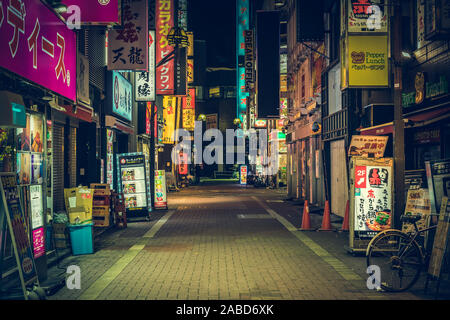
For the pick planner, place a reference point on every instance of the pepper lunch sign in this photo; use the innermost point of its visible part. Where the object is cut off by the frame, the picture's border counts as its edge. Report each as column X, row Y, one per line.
column 122, row 96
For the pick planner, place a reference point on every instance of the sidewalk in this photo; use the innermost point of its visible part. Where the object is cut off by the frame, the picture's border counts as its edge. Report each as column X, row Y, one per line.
column 337, row 241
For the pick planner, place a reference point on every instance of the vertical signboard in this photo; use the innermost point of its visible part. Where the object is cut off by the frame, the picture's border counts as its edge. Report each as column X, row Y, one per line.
column 37, row 219
column 16, row 221
column 145, row 89
column 249, row 61
column 371, row 199
column 110, row 158
column 180, row 72
column 38, row 46
column 243, row 175
column 189, row 110
column 128, row 46
column 132, row 175
column 120, row 101
column 160, row 190
column 242, row 20
column 440, row 244
column 164, row 22
column 169, row 112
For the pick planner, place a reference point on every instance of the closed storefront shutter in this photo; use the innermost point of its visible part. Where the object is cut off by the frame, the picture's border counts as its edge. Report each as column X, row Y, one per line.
column 58, row 168
column 338, row 179
column 72, row 163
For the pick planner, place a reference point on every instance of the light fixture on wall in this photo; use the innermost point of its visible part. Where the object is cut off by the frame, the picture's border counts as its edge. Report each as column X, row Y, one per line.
column 58, row 6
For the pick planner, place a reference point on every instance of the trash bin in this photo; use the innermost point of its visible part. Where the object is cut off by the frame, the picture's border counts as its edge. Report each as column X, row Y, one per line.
column 81, row 237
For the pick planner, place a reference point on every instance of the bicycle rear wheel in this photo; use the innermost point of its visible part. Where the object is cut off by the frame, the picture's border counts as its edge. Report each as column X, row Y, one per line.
column 399, row 259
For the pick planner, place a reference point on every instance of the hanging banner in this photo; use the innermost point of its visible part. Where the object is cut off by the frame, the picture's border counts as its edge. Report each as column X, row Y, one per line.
column 145, row 81
column 368, row 61
column 169, row 111
column 242, row 21
column 38, row 46
column 128, row 46
column 16, row 221
column 95, row 12
column 189, row 110
column 180, row 72
column 243, row 175
column 190, row 71
column 164, row 23
column 133, row 181
column 367, row 16
column 160, row 190
column 371, row 199
column 249, row 61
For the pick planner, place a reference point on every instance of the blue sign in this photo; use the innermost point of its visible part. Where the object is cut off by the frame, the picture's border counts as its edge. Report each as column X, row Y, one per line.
column 122, row 98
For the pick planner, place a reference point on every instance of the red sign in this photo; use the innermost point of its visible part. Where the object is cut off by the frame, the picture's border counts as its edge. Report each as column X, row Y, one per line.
column 164, row 23
column 182, row 163
column 38, row 242
column 360, row 177
column 189, row 100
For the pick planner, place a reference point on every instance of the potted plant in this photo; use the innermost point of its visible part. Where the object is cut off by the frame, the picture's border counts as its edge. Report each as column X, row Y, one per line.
column 6, row 151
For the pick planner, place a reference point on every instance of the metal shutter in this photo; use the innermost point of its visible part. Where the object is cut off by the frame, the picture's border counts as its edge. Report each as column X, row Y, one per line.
column 58, row 168
column 72, row 163
column 95, row 49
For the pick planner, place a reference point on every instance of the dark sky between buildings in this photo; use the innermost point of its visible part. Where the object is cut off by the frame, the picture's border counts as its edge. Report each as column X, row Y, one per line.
column 215, row 22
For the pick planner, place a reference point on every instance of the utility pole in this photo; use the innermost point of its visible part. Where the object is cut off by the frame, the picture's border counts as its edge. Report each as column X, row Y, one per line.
column 399, row 126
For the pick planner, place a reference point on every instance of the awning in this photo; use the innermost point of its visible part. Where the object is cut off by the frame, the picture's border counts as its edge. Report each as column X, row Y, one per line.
column 379, row 130
column 426, row 118
column 115, row 123
column 79, row 112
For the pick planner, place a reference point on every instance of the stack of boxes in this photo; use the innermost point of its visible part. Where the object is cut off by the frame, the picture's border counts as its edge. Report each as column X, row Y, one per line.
column 101, row 205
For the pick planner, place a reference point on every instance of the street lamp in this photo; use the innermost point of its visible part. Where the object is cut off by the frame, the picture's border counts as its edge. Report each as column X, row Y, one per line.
column 201, row 117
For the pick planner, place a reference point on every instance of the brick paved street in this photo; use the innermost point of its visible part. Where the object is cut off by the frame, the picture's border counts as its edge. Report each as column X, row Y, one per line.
column 223, row 242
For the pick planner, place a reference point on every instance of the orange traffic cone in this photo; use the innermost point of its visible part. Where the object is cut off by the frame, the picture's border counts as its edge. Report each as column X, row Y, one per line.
column 345, row 224
column 306, row 220
column 326, row 223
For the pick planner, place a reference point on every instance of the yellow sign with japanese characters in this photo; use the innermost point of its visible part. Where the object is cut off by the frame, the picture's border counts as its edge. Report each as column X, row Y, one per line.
column 368, row 61
column 169, row 112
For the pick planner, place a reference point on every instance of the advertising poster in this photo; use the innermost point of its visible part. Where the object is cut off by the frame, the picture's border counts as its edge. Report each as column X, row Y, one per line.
column 36, row 132
column 128, row 45
column 169, row 110
column 368, row 61
column 37, row 210
column 440, row 245
column 372, row 199
column 160, row 190
column 37, row 169
column 122, row 95
column 38, row 46
column 17, row 226
column 164, row 23
column 417, row 203
column 133, row 182
column 38, row 242
column 243, row 175
column 367, row 16
column 23, row 137
column 23, row 167
column 145, row 81
column 212, row 121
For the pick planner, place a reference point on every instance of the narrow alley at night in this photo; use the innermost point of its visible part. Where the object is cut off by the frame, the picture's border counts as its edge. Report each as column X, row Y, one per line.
column 234, row 158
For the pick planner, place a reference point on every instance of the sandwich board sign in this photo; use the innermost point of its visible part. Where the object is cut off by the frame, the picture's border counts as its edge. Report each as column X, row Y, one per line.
column 12, row 209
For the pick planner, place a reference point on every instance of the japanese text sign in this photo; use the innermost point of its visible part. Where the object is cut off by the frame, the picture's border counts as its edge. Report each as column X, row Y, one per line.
column 368, row 61
column 367, row 16
column 95, row 12
column 160, row 189
column 38, row 46
column 128, row 46
column 145, row 81
column 373, row 199
column 122, row 95
column 164, row 22
column 169, row 111
column 242, row 25
column 189, row 110
column 368, row 146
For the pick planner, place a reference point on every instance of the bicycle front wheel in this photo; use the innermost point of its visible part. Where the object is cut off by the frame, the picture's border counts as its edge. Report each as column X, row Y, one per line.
column 399, row 259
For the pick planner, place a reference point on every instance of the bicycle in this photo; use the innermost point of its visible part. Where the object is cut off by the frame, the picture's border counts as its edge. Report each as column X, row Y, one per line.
column 400, row 257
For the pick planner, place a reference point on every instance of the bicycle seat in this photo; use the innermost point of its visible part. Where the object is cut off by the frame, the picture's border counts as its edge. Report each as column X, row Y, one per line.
column 410, row 218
